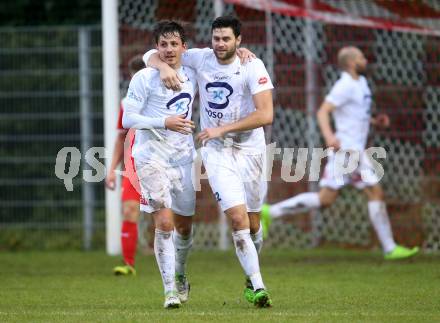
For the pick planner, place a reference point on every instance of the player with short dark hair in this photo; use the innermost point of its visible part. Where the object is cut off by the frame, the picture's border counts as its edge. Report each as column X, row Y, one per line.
column 227, row 22
column 164, row 153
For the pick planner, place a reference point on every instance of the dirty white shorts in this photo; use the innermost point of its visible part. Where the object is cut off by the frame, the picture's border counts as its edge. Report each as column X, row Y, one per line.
column 235, row 177
column 166, row 187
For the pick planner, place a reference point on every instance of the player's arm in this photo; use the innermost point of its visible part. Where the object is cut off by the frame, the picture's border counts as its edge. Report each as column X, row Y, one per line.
column 137, row 95
column 262, row 116
column 193, row 58
column 134, row 101
column 118, row 155
column 323, row 116
column 169, row 76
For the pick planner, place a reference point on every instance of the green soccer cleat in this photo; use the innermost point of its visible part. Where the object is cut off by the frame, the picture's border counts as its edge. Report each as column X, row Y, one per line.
column 262, row 298
column 249, row 291
column 172, row 300
column 124, row 270
column 400, row 252
column 183, row 288
column 266, row 219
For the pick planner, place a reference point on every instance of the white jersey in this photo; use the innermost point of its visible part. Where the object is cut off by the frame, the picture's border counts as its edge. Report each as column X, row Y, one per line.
column 226, row 95
column 352, row 99
column 148, row 96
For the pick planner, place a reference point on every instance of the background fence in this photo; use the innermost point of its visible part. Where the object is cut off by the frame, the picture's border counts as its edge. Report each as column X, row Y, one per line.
column 47, row 104
column 41, row 113
column 301, row 54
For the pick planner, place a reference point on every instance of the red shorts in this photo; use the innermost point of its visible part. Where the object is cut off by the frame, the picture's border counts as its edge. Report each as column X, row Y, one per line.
column 130, row 188
column 130, row 183
column 128, row 191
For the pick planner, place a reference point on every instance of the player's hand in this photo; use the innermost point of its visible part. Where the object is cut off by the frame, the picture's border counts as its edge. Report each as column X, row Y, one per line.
column 171, row 79
column 245, row 55
column 110, row 180
column 209, row 133
column 333, row 142
column 179, row 124
column 382, row 121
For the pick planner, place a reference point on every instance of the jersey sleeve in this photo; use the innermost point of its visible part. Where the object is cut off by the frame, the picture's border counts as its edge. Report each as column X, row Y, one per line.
column 339, row 94
column 137, row 94
column 147, row 56
column 258, row 78
column 195, row 57
column 134, row 101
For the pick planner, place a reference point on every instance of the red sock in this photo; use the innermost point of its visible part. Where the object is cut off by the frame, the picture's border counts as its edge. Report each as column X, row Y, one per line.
column 129, row 237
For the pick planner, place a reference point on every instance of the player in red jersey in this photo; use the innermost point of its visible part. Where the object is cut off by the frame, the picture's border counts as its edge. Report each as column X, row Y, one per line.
column 129, row 188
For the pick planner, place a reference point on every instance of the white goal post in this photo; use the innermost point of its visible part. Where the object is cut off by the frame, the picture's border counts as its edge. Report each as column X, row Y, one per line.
column 110, row 55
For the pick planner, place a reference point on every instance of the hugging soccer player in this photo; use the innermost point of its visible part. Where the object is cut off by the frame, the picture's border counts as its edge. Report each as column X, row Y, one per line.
column 164, row 152
column 235, row 104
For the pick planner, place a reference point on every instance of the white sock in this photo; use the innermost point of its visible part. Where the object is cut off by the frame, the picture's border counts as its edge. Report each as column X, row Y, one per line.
column 381, row 223
column 298, row 204
column 165, row 257
column 248, row 257
column 183, row 245
column 257, row 239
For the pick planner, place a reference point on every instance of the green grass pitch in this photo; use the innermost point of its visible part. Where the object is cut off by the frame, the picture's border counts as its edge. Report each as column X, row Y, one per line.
column 323, row 285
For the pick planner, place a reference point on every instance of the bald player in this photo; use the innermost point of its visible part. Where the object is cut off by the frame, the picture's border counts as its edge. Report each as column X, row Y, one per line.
column 349, row 102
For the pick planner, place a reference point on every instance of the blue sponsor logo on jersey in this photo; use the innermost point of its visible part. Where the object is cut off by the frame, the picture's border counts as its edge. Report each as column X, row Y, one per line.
column 180, row 103
column 218, row 94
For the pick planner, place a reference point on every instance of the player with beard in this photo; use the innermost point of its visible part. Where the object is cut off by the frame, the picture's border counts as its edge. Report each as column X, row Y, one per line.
column 235, row 104
column 349, row 101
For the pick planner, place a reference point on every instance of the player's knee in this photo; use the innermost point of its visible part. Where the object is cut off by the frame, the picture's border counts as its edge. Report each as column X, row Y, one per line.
column 238, row 216
column 163, row 220
column 375, row 193
column 238, row 221
column 130, row 212
column 164, row 224
column 184, row 229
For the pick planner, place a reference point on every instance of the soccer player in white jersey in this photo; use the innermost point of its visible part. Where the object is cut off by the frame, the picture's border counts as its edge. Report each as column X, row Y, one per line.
column 349, row 102
column 235, row 104
column 163, row 152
